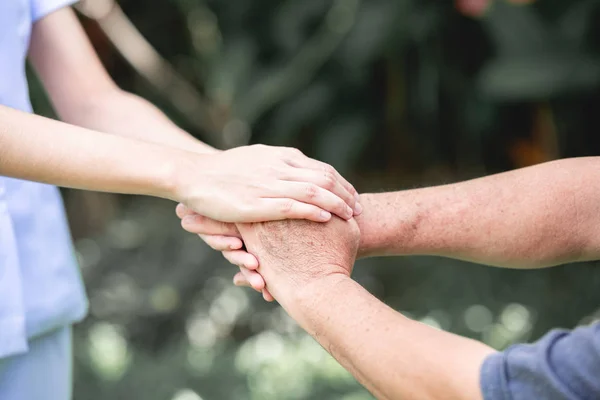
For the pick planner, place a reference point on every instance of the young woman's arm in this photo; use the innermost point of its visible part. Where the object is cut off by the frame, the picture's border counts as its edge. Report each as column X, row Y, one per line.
column 245, row 184
column 228, row 186
column 83, row 93
column 43, row 150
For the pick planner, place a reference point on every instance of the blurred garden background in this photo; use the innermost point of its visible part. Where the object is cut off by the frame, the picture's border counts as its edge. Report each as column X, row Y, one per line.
column 395, row 94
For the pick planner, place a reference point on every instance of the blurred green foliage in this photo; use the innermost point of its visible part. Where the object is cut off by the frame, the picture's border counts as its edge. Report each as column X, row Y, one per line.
column 394, row 93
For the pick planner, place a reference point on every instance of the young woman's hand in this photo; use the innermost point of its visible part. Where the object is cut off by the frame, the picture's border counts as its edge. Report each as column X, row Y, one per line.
column 262, row 183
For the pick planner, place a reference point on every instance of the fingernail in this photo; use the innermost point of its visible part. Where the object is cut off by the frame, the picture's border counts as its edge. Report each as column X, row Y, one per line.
column 189, row 219
column 358, row 209
column 356, row 196
column 349, row 212
column 325, row 216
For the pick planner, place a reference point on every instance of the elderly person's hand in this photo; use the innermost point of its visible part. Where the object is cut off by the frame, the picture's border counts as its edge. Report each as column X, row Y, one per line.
column 292, row 254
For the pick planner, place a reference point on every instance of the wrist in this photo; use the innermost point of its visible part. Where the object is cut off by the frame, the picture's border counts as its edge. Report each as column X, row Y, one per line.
column 172, row 178
column 367, row 223
column 392, row 224
column 297, row 299
column 289, row 284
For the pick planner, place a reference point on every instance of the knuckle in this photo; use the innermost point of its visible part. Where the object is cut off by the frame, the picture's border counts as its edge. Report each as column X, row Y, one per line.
column 293, row 152
column 341, row 207
column 286, row 207
column 328, row 169
column 311, row 191
column 328, row 180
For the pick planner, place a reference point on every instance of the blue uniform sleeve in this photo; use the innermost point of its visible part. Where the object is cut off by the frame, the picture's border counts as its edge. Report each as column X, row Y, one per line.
column 41, row 8
column 562, row 365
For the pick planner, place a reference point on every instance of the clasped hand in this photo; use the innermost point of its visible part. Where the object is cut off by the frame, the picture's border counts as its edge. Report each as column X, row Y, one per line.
column 257, row 184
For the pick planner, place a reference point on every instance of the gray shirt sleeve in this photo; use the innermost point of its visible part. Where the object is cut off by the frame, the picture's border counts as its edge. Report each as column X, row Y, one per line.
column 561, row 365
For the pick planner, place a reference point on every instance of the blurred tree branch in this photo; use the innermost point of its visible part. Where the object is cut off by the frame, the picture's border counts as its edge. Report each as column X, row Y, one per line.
column 232, row 128
column 147, row 62
column 301, row 69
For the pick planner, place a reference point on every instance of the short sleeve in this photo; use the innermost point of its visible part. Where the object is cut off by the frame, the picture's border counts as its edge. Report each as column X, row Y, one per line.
column 563, row 365
column 41, row 8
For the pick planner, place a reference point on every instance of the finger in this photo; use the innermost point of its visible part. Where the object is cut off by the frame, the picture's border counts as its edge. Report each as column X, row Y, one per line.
column 182, row 211
column 254, row 279
column 241, row 259
column 274, row 209
column 240, row 280
column 302, row 161
column 324, row 180
column 206, row 226
column 222, row 243
column 267, row 295
column 310, row 193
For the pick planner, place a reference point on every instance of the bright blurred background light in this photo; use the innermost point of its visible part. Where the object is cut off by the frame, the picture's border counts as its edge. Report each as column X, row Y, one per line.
column 478, row 318
column 186, row 394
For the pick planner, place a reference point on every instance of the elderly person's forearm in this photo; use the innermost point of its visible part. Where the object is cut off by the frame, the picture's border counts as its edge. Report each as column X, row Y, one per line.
column 393, row 356
column 533, row 217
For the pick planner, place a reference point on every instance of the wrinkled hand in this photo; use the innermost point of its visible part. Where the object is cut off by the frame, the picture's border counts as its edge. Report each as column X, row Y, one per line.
column 263, row 183
column 323, row 184
column 293, row 254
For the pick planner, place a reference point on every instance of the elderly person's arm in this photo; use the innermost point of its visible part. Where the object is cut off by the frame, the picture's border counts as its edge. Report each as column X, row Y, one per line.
column 534, row 217
column 307, row 268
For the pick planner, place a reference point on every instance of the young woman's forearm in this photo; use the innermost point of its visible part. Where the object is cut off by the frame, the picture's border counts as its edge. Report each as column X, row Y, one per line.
column 39, row 149
column 539, row 216
column 125, row 114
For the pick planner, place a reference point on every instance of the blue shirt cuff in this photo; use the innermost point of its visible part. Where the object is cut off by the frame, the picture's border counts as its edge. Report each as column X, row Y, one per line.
column 493, row 378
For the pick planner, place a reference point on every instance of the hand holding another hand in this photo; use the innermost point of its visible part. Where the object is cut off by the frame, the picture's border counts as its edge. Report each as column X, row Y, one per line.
column 291, row 242
column 294, row 254
column 307, row 189
column 263, row 183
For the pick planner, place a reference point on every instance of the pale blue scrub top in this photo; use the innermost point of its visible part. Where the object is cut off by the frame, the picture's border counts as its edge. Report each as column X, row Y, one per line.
column 40, row 284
